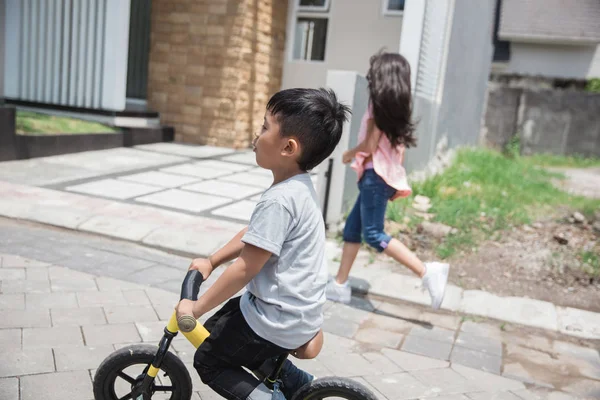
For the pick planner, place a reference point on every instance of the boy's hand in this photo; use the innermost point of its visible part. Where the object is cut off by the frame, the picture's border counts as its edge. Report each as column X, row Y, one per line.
column 185, row 307
column 203, row 265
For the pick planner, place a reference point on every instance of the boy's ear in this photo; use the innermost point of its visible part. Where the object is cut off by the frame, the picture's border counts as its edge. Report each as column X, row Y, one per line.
column 291, row 147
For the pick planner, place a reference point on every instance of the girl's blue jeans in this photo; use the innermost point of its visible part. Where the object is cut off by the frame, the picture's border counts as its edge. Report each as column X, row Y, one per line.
column 365, row 221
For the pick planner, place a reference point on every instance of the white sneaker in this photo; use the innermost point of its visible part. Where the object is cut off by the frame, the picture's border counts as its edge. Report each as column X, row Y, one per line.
column 434, row 281
column 342, row 293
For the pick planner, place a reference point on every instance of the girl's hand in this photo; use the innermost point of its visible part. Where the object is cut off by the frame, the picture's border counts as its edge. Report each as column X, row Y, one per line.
column 347, row 157
column 203, row 265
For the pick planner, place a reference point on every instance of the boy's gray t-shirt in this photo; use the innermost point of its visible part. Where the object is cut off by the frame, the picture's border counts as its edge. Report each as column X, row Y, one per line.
column 284, row 302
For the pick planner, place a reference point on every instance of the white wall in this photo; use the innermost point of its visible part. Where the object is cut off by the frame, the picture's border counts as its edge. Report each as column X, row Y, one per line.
column 553, row 61
column 357, row 29
column 595, row 66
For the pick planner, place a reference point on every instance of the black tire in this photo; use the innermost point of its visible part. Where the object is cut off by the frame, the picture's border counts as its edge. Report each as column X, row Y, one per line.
column 343, row 388
column 142, row 355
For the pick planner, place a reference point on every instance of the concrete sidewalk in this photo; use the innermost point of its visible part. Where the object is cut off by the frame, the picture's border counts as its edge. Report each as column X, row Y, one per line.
column 193, row 199
column 76, row 297
column 57, row 325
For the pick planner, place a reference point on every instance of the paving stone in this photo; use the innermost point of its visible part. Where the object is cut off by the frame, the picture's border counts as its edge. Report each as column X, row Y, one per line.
column 241, row 210
column 587, row 360
column 249, row 178
column 120, row 270
column 223, row 165
column 248, row 158
column 379, row 337
column 528, row 312
column 73, row 285
column 94, row 299
column 10, row 339
column 347, row 312
column 541, row 394
column 493, row 396
column 413, row 362
column 56, row 386
column 580, row 323
column 444, row 381
column 17, row 362
column 77, row 316
column 81, row 357
column 400, row 386
column 376, row 393
column 224, row 189
column 427, row 347
column 476, row 359
column 349, row 365
column 584, row 388
column 334, row 344
column 339, row 326
column 36, row 274
column 106, row 284
column 187, row 150
column 13, row 301
column 164, row 311
column 156, row 274
column 314, row 367
column 433, row 333
column 136, row 297
column 114, row 188
column 482, row 329
column 62, row 273
column 19, row 319
column 183, row 200
column 122, row 228
column 14, row 261
column 109, row 334
column 157, row 178
column 479, row 343
column 11, row 274
column 50, row 300
column 161, row 297
column 514, row 370
column 9, row 388
column 196, row 171
column 51, row 337
column 487, row 381
column 151, row 331
column 382, row 363
column 198, row 240
column 122, row 314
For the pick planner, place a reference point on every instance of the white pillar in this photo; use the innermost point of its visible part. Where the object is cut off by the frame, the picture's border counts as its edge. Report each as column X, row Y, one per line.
column 410, row 36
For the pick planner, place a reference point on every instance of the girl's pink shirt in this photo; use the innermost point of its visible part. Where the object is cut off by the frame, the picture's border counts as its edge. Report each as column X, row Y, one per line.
column 387, row 160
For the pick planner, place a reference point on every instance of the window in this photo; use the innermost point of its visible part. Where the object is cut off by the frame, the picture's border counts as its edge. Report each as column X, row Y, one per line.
column 313, row 5
column 393, row 7
column 310, row 30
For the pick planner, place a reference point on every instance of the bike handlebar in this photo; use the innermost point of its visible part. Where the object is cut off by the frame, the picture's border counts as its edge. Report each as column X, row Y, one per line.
column 191, row 285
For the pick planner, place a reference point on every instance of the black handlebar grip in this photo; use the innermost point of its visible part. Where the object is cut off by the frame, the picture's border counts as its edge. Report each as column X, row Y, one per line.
column 191, row 285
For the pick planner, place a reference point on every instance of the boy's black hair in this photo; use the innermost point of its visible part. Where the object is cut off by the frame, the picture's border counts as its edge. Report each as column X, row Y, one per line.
column 314, row 116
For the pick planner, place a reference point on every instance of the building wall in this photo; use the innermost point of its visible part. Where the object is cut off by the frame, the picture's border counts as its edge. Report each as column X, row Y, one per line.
column 553, row 60
column 214, row 65
column 2, row 57
column 356, row 30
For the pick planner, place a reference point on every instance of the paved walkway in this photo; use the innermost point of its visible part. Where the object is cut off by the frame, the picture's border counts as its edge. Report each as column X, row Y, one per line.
column 69, row 299
column 193, row 199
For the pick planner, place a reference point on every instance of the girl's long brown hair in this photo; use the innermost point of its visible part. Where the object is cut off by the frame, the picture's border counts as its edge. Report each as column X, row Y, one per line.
column 390, row 92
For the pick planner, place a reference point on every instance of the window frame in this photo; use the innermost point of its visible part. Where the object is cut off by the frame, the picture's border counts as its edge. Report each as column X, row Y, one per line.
column 386, row 12
column 309, row 12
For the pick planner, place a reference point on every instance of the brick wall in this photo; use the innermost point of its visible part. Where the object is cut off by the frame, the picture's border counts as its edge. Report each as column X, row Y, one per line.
column 213, row 66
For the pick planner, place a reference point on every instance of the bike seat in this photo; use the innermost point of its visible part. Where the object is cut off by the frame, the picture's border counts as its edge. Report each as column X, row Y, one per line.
column 310, row 349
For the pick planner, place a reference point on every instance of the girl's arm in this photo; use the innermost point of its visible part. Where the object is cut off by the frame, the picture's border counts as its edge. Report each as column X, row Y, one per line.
column 369, row 145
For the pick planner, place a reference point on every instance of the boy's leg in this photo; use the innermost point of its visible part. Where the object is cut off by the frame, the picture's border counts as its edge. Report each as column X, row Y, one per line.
column 292, row 377
column 232, row 345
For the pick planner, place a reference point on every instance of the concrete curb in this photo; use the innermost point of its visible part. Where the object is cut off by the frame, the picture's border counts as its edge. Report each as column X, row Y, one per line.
column 183, row 233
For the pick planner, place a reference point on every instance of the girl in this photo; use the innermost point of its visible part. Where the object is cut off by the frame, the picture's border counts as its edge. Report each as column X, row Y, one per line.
column 386, row 130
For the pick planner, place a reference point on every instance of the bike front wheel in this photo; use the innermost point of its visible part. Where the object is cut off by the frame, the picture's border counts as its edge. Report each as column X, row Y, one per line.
column 334, row 388
column 118, row 375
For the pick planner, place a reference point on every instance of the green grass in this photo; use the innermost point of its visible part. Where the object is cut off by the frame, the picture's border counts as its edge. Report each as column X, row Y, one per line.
column 31, row 123
column 484, row 192
column 592, row 261
column 551, row 160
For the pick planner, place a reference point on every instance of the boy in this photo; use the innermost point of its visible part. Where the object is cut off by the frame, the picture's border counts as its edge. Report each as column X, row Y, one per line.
column 280, row 255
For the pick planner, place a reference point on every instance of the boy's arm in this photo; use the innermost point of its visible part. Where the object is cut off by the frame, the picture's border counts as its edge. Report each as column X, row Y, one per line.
column 231, row 250
column 234, row 278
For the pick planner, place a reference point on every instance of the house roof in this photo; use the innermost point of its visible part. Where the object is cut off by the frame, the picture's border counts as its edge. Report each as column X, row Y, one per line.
column 550, row 21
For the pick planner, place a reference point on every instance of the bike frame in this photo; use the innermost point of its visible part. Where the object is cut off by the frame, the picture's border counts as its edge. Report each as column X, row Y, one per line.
column 196, row 336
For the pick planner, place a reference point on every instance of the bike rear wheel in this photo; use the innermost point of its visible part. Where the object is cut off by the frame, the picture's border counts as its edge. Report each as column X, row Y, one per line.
column 334, row 388
column 122, row 370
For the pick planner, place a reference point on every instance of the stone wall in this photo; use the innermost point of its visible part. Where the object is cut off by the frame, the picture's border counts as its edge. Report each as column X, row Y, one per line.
column 213, row 66
column 563, row 122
